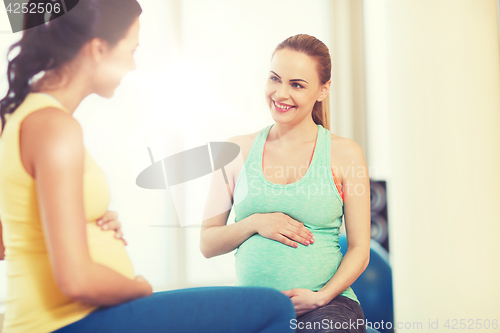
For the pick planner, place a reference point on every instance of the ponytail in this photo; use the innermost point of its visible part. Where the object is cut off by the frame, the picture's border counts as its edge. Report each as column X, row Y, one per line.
column 321, row 113
column 48, row 44
column 32, row 58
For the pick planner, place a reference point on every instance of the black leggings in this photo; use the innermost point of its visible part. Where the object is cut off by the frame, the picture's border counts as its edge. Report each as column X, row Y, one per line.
column 342, row 314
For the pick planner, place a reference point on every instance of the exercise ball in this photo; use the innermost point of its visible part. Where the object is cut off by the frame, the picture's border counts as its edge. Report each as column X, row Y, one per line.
column 374, row 287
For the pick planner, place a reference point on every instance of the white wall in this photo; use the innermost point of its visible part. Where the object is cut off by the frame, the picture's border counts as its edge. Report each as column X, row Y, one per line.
column 433, row 91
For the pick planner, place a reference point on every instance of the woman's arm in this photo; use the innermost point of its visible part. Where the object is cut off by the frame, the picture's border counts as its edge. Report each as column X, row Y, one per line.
column 219, row 238
column 52, row 147
column 216, row 236
column 356, row 187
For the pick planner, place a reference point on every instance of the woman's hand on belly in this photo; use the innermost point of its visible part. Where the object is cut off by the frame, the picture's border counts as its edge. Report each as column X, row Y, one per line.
column 109, row 221
column 282, row 228
column 304, row 300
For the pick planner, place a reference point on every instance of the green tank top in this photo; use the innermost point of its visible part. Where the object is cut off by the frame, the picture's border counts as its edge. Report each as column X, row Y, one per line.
column 313, row 200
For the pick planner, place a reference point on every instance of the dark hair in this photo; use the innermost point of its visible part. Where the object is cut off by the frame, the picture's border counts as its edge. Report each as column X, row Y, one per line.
column 48, row 44
column 318, row 51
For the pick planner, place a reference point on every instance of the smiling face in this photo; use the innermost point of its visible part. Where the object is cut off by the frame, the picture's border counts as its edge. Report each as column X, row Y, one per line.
column 293, row 86
column 116, row 62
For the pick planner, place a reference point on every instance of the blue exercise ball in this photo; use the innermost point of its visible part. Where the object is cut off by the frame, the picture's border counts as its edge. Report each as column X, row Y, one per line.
column 374, row 287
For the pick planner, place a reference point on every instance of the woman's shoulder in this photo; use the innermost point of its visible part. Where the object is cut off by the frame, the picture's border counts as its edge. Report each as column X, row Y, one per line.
column 51, row 122
column 345, row 149
column 50, row 129
column 244, row 141
column 50, row 136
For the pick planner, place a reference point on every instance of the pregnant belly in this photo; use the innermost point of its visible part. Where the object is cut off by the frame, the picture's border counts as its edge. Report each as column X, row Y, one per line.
column 264, row 262
column 108, row 251
column 30, row 278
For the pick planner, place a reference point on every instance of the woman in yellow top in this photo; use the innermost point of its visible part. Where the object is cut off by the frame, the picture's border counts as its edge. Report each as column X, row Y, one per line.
column 64, row 273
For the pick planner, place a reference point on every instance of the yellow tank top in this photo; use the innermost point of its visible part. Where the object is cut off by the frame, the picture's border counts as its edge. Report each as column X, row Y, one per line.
column 34, row 301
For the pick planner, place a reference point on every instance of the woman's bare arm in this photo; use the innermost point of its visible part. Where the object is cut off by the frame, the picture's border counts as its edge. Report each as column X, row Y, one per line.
column 216, row 236
column 219, row 238
column 356, row 186
column 52, row 148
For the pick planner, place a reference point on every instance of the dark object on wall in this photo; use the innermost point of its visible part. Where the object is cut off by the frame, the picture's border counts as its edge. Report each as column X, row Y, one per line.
column 378, row 206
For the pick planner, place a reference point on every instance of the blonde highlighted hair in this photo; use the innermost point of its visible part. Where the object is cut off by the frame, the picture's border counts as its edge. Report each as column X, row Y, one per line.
column 318, row 51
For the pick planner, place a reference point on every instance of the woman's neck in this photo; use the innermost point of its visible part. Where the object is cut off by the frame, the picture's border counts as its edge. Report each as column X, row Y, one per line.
column 289, row 135
column 70, row 91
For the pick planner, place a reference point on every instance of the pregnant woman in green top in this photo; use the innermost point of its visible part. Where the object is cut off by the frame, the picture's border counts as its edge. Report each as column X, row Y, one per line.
column 290, row 189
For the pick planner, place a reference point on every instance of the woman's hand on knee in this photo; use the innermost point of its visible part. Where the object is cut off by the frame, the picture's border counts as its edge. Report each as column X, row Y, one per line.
column 109, row 221
column 282, row 228
column 304, row 300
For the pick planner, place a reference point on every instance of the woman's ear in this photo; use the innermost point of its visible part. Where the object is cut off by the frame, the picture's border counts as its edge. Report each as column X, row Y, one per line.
column 325, row 90
column 97, row 48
